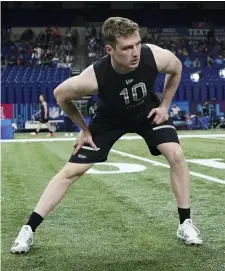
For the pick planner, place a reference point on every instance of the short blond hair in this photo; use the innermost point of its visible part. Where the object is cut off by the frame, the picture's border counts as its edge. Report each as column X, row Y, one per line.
column 115, row 27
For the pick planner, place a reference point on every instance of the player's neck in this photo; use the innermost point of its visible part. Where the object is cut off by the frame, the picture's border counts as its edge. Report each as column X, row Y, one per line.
column 119, row 68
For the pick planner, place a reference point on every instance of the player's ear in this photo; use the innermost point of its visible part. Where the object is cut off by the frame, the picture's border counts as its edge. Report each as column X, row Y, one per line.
column 109, row 49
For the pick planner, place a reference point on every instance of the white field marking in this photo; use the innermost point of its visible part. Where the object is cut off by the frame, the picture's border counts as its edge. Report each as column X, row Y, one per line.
column 120, row 168
column 218, row 138
column 156, row 163
column 24, row 140
column 209, row 136
column 213, row 162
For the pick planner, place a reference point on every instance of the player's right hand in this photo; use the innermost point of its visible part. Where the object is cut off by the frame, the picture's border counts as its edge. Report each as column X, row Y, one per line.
column 84, row 138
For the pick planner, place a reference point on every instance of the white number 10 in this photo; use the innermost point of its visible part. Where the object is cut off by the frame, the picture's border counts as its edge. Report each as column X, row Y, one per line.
column 134, row 89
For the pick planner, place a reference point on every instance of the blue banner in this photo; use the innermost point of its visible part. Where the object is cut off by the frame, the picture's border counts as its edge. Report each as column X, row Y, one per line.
column 187, row 32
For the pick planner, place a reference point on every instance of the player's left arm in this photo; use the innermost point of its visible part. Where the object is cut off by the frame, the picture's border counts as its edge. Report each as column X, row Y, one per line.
column 46, row 109
column 169, row 64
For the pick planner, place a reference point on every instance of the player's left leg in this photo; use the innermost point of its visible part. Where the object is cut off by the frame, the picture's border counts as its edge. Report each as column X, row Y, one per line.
column 163, row 139
column 49, row 129
column 179, row 172
column 180, row 182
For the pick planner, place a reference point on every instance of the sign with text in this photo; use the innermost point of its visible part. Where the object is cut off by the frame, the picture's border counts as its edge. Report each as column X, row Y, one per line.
column 187, row 32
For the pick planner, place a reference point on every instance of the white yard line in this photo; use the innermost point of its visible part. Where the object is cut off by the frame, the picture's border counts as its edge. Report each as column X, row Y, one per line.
column 131, row 137
column 214, row 136
column 156, row 163
column 218, row 138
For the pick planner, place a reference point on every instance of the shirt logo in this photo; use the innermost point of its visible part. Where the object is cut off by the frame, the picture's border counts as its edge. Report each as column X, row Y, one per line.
column 129, row 81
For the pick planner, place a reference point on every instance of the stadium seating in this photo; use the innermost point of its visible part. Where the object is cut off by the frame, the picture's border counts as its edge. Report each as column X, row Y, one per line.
column 21, row 85
column 197, row 91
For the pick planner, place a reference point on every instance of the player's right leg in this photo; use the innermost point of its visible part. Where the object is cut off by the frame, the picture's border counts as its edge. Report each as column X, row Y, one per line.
column 53, row 194
column 104, row 135
column 37, row 129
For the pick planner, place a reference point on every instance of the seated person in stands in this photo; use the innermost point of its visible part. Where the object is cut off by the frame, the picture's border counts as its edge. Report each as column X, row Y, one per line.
column 188, row 62
column 209, row 61
column 205, row 109
column 196, row 63
column 190, row 120
column 219, row 60
column 175, row 112
column 185, row 52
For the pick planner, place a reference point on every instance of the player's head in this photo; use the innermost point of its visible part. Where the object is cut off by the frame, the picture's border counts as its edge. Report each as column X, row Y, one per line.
column 41, row 98
column 122, row 41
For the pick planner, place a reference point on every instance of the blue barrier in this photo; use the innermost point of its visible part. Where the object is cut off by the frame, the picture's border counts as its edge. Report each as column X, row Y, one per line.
column 7, row 131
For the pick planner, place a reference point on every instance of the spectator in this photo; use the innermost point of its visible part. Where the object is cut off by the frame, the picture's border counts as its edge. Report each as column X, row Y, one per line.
column 185, row 52
column 209, row 61
column 187, row 62
column 12, row 61
column 68, row 33
column 20, row 61
column 175, row 111
column 35, row 57
column 196, row 63
column 55, row 58
column 68, row 48
column 61, row 63
column 205, row 109
column 57, row 34
column 38, row 51
column 219, row 60
column 204, row 49
column 69, row 60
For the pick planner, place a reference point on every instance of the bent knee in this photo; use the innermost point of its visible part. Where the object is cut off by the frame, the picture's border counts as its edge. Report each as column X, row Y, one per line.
column 73, row 171
column 175, row 155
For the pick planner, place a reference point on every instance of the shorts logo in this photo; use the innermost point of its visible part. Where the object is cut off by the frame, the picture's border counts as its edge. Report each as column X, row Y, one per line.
column 82, row 156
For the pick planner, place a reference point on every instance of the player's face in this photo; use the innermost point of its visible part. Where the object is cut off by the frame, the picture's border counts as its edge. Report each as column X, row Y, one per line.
column 127, row 51
column 41, row 98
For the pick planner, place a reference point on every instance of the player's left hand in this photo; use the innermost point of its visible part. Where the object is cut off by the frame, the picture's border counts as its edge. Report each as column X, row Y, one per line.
column 160, row 115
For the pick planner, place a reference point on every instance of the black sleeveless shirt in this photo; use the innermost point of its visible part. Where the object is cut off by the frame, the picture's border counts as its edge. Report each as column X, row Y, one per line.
column 42, row 111
column 127, row 95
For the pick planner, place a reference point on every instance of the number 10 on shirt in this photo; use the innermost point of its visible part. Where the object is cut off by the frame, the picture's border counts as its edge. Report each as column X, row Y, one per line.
column 138, row 91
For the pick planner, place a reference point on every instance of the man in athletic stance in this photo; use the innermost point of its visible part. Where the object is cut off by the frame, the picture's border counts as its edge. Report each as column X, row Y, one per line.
column 123, row 80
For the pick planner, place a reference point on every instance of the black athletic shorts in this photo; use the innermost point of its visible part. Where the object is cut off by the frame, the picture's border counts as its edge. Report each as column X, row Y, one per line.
column 105, row 132
column 43, row 120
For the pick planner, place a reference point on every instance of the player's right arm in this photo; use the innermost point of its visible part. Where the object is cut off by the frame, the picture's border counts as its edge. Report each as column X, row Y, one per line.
column 75, row 88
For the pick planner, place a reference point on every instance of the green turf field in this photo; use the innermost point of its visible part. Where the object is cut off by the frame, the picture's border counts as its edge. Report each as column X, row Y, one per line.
column 117, row 221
